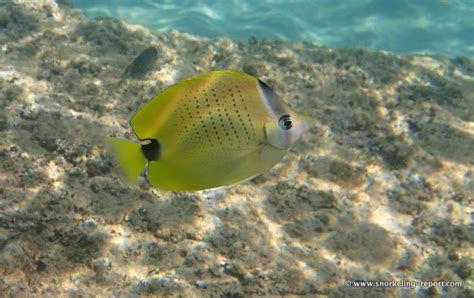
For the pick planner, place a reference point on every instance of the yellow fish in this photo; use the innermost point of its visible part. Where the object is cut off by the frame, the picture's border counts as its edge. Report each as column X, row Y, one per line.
column 213, row 129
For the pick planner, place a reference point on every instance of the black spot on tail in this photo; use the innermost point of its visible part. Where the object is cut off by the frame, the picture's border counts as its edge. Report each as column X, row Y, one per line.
column 151, row 149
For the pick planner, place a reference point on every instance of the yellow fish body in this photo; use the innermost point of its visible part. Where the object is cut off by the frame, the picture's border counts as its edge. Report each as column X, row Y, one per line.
column 210, row 130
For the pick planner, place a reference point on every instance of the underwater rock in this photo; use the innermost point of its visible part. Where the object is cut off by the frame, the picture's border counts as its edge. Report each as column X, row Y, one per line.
column 160, row 217
column 99, row 166
column 106, row 34
column 309, row 227
column 164, row 285
column 79, row 246
column 364, row 242
column 289, row 201
column 334, row 170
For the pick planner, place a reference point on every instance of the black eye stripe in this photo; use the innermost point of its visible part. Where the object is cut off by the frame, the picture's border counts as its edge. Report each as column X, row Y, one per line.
column 272, row 99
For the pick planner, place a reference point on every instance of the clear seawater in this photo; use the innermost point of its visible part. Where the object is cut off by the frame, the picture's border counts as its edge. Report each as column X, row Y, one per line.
column 421, row 26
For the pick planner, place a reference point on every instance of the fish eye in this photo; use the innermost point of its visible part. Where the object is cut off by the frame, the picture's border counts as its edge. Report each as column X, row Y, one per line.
column 285, row 122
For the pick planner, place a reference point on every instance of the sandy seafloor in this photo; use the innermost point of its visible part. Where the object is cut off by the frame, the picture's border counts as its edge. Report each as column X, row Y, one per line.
column 379, row 188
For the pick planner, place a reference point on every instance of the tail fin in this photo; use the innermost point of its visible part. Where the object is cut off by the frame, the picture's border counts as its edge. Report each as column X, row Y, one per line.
column 129, row 157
